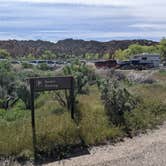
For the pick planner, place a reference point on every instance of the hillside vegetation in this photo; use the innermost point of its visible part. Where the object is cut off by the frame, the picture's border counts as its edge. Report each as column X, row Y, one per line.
column 68, row 48
column 109, row 105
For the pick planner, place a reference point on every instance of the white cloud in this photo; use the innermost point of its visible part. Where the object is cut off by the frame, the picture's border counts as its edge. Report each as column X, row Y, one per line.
column 52, row 36
column 88, row 2
column 100, row 2
column 146, row 26
column 151, row 34
column 147, row 18
column 147, row 9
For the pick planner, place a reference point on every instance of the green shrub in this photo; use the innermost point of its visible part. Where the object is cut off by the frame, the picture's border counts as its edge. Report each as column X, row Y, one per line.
column 147, row 115
column 94, row 125
column 7, row 83
column 24, row 74
column 162, row 71
column 42, row 99
column 117, row 101
column 81, row 73
column 15, row 137
column 52, row 130
column 23, row 93
column 12, row 114
column 82, row 76
column 2, row 113
column 55, row 130
column 44, row 67
column 4, row 54
column 27, row 65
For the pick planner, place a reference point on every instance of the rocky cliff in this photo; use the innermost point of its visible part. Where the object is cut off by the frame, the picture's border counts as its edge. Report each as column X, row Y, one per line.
column 68, row 46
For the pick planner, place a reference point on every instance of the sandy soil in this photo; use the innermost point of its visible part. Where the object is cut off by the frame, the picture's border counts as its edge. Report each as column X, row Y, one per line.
column 143, row 150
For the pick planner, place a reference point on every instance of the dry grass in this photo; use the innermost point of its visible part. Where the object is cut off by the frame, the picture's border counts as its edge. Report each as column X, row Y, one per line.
column 151, row 92
column 160, row 75
column 55, row 127
column 15, row 137
column 94, row 125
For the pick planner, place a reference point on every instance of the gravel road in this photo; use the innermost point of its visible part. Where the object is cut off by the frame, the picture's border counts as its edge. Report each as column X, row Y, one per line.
column 143, row 150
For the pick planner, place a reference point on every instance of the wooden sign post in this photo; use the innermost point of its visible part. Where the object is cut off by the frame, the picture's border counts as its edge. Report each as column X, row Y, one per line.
column 49, row 84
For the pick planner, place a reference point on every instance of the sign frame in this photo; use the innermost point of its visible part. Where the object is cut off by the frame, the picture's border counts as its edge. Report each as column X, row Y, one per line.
column 41, row 84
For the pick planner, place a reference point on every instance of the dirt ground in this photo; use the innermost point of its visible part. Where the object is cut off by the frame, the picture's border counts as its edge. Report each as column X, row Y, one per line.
column 143, row 150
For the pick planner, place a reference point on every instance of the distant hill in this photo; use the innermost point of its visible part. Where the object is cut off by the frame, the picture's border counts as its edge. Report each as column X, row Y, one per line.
column 68, row 46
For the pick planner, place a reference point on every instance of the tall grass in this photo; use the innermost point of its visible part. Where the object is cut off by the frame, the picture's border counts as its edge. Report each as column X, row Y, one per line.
column 15, row 137
column 151, row 111
column 55, row 127
column 152, row 92
column 94, row 124
column 160, row 75
column 146, row 116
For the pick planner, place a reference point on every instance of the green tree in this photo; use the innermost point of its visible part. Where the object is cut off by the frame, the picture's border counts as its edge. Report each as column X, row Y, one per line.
column 82, row 75
column 106, row 56
column 133, row 50
column 23, row 93
column 90, row 56
column 120, row 55
column 7, row 83
column 30, row 57
column 44, row 67
column 48, row 55
column 151, row 49
column 96, row 56
column 162, row 48
column 4, row 54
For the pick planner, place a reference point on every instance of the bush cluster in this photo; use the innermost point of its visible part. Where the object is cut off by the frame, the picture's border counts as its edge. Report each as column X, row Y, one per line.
column 106, row 110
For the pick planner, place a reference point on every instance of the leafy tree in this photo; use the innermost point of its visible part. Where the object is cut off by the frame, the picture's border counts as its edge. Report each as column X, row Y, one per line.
column 81, row 72
column 26, row 65
column 120, row 55
column 90, row 56
column 82, row 75
column 44, row 67
column 106, row 56
column 7, row 83
column 48, row 55
column 30, row 57
column 133, row 50
column 23, row 93
column 96, row 56
column 4, row 54
column 162, row 48
column 151, row 49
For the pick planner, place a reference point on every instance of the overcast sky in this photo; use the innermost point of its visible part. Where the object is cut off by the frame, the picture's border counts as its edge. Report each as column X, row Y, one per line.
column 101, row 20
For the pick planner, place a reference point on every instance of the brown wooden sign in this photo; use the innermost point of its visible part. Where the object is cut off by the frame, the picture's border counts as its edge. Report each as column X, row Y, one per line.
column 52, row 83
column 48, row 84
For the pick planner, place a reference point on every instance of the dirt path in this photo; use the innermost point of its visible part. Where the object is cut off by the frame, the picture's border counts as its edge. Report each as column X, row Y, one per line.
column 143, row 150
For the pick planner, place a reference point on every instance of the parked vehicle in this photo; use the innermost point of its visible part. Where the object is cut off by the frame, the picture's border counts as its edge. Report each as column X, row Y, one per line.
column 15, row 62
column 50, row 63
column 147, row 58
column 135, row 64
column 110, row 63
column 141, row 62
column 1, row 59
